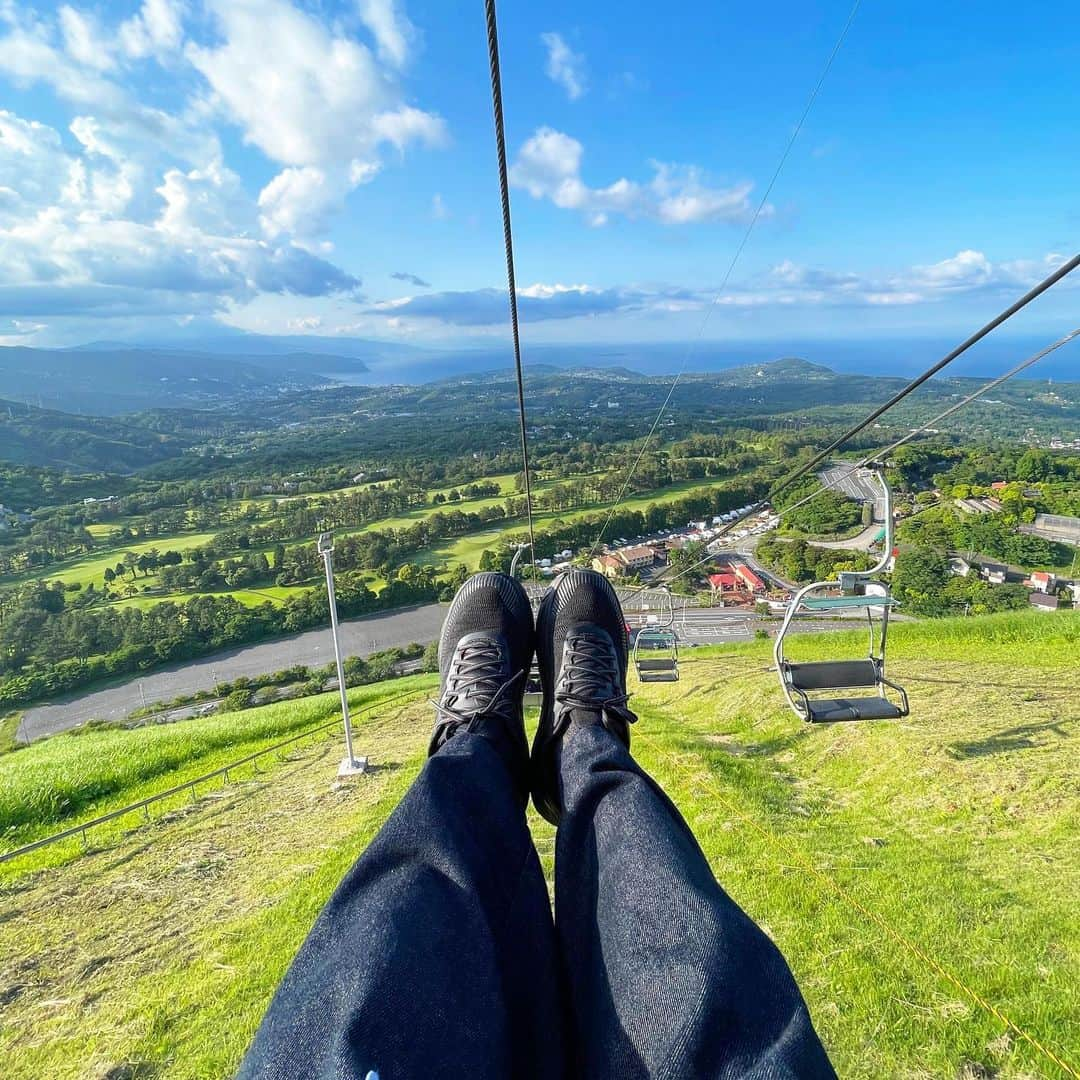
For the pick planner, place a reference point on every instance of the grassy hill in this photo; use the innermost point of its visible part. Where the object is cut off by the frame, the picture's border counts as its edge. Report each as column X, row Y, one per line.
column 920, row 876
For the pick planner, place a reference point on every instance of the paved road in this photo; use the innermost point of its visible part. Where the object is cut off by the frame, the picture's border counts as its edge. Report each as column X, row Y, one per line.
column 855, row 484
column 360, row 637
column 864, row 541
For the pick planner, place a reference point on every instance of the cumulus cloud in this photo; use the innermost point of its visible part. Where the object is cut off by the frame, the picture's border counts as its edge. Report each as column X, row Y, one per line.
column 324, row 109
column 73, row 237
column 564, row 66
column 390, row 27
column 84, row 40
column 548, row 166
column 786, row 284
column 29, row 55
column 133, row 210
column 536, row 303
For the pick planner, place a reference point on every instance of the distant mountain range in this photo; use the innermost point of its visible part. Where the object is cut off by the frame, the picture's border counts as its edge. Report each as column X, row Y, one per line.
column 110, row 378
column 107, row 380
column 226, row 410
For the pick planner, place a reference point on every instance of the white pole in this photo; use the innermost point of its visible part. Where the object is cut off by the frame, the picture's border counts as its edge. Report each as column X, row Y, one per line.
column 350, row 764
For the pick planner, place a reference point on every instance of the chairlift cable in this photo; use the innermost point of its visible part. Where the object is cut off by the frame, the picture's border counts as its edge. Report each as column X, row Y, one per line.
column 508, row 241
column 727, row 275
column 799, row 473
column 880, row 455
column 998, row 320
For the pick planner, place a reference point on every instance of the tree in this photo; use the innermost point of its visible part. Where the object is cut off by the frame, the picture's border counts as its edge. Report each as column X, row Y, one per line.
column 110, row 575
column 919, row 581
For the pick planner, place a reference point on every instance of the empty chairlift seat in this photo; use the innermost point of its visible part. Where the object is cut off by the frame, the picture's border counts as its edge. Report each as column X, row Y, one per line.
column 656, row 656
column 825, row 691
column 831, row 676
column 533, row 690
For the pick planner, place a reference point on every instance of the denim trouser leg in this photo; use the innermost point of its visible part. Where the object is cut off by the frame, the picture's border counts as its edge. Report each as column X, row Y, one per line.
column 436, row 955
column 668, row 977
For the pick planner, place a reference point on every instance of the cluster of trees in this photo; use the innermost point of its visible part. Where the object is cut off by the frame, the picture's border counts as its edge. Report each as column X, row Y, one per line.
column 796, row 560
column 582, row 531
column 922, row 583
column 829, row 513
column 48, row 647
column 991, row 535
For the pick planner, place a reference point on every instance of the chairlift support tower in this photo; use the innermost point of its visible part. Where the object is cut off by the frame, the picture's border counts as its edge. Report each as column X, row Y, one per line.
column 350, row 764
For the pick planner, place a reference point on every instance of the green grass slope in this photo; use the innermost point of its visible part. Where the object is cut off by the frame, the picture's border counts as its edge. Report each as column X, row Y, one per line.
column 920, row 876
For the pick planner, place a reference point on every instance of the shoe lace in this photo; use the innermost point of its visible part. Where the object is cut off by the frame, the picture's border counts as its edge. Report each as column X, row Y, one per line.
column 590, row 673
column 476, row 677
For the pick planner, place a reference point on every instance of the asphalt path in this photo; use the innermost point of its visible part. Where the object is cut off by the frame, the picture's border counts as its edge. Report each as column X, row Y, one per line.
column 359, row 637
column 855, row 485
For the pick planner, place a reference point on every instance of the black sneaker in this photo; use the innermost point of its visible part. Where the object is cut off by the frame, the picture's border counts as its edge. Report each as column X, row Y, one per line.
column 582, row 653
column 485, row 651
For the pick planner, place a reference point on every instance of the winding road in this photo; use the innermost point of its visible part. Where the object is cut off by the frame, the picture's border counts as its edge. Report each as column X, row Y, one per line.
column 359, row 637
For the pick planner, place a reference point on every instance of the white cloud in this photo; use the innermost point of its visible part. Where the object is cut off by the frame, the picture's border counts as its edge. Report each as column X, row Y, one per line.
column 548, row 166
column 156, row 29
column 390, row 27
column 963, row 271
column 297, row 202
column 325, row 108
column 208, row 201
column 564, row 66
column 28, row 56
column 83, row 233
column 786, row 284
column 439, row 210
column 84, row 40
column 33, row 166
column 323, row 101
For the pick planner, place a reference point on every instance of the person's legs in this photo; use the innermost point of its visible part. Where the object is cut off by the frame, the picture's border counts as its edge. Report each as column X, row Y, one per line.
column 668, row 977
column 436, row 955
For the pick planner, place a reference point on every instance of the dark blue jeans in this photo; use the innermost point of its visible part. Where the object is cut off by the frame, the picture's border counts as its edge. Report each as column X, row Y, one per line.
column 438, row 956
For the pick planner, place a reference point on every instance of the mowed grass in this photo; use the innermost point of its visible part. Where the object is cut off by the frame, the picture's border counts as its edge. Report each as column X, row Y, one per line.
column 272, row 594
column 466, row 550
column 70, row 778
column 914, row 873
column 92, row 568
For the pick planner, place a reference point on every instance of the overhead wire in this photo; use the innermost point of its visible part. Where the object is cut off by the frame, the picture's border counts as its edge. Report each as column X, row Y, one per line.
column 762, row 202
column 884, row 452
column 1032, row 294
column 798, row 473
column 508, row 243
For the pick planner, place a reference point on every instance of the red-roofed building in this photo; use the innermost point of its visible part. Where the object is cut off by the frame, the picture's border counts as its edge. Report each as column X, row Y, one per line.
column 723, row 583
column 1041, row 581
column 999, row 485
column 749, row 578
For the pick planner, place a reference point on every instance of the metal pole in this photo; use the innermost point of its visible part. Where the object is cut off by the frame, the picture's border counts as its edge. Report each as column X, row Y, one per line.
column 350, row 764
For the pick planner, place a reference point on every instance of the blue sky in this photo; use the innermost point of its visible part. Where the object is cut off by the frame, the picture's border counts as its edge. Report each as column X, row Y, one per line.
column 171, row 166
